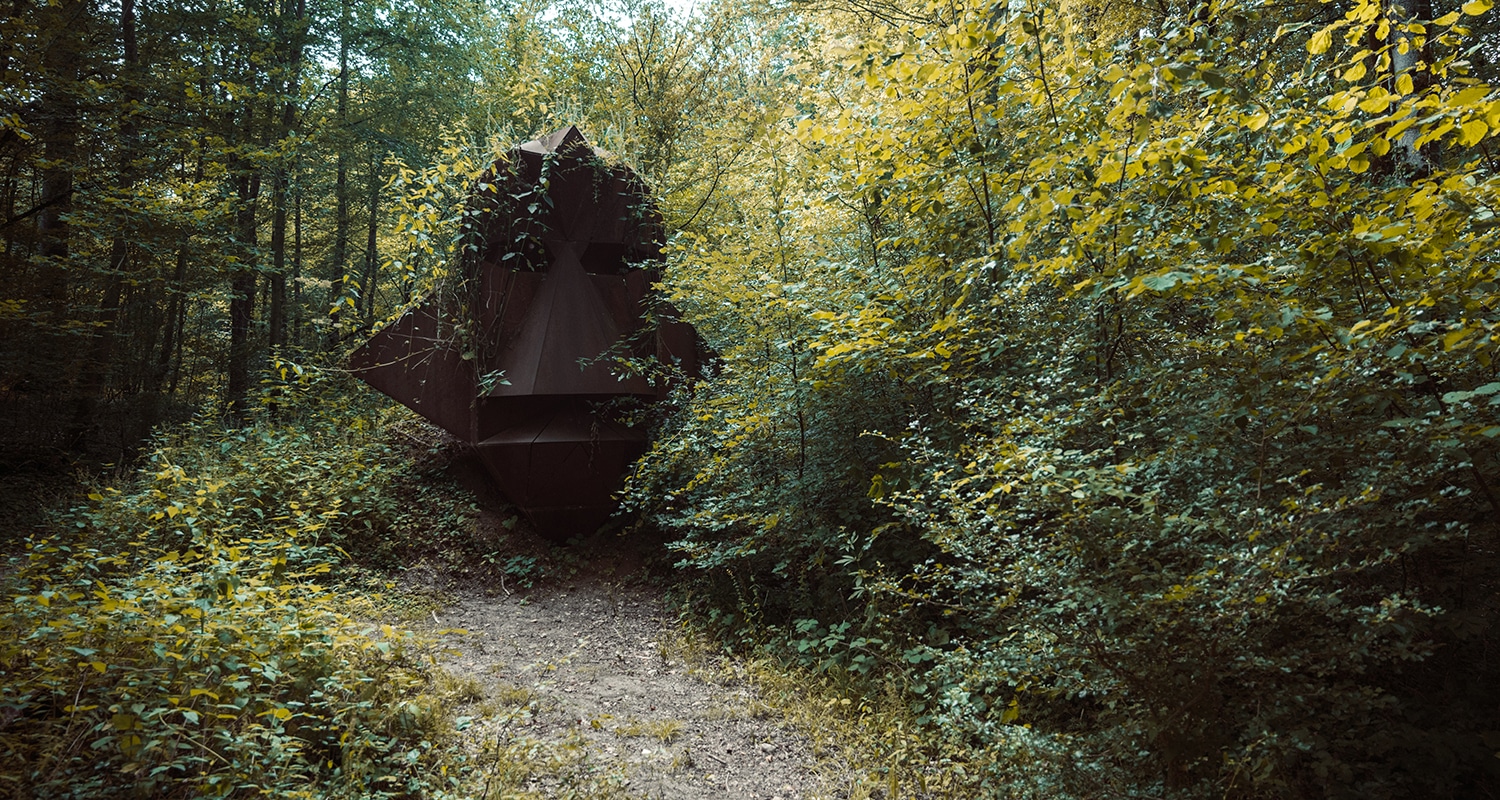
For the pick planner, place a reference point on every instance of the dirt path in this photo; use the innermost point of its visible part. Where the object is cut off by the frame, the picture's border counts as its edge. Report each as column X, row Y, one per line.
column 579, row 690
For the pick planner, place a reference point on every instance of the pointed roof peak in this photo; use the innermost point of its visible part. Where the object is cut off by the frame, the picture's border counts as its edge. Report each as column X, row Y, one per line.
column 559, row 141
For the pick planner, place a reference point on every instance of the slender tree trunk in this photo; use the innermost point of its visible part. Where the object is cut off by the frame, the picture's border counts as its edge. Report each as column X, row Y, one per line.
column 242, row 299
column 61, row 25
column 177, row 351
column 408, row 279
column 96, row 368
column 92, row 377
column 340, row 187
column 243, row 282
column 8, row 189
column 372, row 257
column 9, row 185
column 297, row 308
column 1407, row 57
column 59, row 114
column 277, row 315
column 171, row 326
column 171, row 351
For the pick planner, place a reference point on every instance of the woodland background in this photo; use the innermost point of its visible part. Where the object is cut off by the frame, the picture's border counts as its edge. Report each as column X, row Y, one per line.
column 1104, row 393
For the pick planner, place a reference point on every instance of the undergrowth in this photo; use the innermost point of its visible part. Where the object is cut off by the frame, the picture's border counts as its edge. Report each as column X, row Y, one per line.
column 187, row 633
column 867, row 739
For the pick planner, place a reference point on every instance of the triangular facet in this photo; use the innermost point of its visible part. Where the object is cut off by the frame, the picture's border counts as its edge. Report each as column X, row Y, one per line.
column 565, row 341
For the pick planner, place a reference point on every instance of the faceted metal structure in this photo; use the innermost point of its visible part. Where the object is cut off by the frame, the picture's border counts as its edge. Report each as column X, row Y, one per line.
column 522, row 360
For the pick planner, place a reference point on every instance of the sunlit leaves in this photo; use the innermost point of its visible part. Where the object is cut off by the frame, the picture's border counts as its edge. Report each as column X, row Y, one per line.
column 1320, row 41
column 1173, row 328
column 182, row 636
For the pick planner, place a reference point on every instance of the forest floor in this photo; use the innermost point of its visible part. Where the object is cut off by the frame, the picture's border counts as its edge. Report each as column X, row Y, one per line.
column 585, row 685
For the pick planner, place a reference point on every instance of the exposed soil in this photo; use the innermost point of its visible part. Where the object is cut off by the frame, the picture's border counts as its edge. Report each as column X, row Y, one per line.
column 586, row 676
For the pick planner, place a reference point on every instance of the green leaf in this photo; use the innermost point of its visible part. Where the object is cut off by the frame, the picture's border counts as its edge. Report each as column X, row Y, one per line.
column 1165, row 281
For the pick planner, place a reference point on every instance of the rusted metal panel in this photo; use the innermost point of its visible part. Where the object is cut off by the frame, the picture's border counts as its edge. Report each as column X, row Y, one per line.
column 560, row 286
column 416, row 361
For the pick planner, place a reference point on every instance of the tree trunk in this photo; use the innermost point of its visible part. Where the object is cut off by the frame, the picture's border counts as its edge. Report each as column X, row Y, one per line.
column 58, row 110
column 372, row 257
column 61, row 26
column 1407, row 58
column 242, row 287
column 293, row 63
column 276, row 314
column 96, row 368
column 340, row 188
column 297, row 321
column 171, row 325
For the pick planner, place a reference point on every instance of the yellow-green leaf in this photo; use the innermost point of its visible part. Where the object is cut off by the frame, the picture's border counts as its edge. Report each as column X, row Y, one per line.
column 1472, row 132
column 1476, row 7
column 1468, row 97
column 1375, row 103
column 1321, row 40
column 1452, row 338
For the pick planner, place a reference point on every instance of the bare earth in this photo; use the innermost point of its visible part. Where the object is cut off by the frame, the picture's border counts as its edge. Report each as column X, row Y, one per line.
column 586, row 679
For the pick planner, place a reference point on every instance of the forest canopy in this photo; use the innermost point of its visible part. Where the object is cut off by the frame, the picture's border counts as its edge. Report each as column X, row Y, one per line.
column 1111, row 384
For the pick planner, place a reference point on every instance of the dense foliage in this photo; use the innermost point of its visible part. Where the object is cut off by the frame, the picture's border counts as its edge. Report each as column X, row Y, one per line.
column 184, row 635
column 1121, row 387
column 1114, row 384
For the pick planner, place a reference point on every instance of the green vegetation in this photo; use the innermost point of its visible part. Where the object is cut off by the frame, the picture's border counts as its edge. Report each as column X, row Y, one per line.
column 1104, row 401
column 1123, row 400
column 184, row 635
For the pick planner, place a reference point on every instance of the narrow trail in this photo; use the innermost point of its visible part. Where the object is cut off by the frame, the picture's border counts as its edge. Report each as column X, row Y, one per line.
column 579, row 689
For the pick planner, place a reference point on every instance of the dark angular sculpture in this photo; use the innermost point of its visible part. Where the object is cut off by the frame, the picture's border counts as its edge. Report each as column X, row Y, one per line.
column 521, row 359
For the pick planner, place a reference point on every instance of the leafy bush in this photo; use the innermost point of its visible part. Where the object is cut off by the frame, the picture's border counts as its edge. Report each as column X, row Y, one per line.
column 1128, row 398
column 181, row 637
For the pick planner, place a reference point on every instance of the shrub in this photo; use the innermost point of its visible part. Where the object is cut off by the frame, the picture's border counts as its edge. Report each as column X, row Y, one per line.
column 182, row 636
